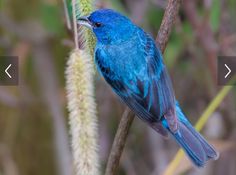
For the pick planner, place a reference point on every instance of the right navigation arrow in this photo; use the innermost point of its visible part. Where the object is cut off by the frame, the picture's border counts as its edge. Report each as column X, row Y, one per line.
column 229, row 71
column 226, row 70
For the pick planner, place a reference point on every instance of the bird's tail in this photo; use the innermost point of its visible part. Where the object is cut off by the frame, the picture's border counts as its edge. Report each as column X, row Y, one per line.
column 194, row 145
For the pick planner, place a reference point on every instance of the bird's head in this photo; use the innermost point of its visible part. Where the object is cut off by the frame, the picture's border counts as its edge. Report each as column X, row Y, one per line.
column 109, row 27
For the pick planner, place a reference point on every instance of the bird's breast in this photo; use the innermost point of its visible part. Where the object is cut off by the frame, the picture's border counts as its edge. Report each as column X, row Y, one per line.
column 125, row 59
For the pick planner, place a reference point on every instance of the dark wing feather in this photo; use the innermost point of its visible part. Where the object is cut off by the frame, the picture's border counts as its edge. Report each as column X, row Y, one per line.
column 160, row 96
column 161, row 86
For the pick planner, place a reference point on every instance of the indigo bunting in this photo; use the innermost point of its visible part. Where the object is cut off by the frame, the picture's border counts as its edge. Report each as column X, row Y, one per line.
column 132, row 65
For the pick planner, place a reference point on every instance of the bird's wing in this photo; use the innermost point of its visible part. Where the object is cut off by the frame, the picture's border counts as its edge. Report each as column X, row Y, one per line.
column 149, row 95
column 161, row 97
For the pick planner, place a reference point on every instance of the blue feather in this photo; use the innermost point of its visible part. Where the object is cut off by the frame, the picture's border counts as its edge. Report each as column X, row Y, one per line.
column 195, row 146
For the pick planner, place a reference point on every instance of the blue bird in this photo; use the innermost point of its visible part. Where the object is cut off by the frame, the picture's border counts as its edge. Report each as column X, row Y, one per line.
column 132, row 65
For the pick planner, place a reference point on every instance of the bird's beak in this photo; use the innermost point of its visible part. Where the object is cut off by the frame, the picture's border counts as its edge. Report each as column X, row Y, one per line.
column 84, row 21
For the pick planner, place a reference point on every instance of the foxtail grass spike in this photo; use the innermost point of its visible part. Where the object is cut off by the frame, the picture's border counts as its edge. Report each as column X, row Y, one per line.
column 82, row 113
column 85, row 7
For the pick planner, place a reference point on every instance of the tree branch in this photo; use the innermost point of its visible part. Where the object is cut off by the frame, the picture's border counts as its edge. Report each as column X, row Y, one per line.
column 168, row 20
column 119, row 142
column 128, row 116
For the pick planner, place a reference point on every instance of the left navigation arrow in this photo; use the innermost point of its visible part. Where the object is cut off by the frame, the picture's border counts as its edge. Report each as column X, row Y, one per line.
column 6, row 71
column 9, row 71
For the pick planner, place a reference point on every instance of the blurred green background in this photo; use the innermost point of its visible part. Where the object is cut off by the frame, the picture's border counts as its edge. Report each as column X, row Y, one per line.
column 33, row 116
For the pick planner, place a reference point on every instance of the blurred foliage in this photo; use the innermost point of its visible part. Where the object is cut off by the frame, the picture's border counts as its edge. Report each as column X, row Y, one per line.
column 215, row 15
column 50, row 16
column 26, row 125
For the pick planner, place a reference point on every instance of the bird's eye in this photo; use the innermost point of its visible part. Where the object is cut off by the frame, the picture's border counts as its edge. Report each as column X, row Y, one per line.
column 98, row 24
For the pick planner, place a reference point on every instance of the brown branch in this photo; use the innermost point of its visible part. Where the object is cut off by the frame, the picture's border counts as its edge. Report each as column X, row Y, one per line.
column 168, row 20
column 128, row 116
column 119, row 142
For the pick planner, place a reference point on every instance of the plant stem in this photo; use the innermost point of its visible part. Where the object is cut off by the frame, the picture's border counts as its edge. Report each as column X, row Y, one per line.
column 67, row 16
column 75, row 24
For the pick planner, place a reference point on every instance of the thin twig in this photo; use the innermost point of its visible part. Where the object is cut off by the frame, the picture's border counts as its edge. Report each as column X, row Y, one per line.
column 128, row 116
column 75, row 24
column 171, row 12
column 67, row 16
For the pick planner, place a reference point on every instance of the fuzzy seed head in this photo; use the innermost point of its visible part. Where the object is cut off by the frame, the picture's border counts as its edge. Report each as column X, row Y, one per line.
column 82, row 113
